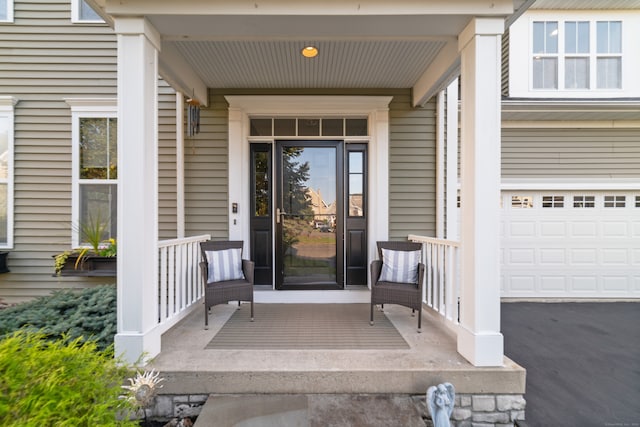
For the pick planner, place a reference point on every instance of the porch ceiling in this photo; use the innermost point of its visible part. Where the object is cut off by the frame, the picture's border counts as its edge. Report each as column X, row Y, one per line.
column 362, row 44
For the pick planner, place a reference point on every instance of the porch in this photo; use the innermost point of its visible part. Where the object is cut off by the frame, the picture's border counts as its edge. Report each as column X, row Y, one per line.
column 430, row 357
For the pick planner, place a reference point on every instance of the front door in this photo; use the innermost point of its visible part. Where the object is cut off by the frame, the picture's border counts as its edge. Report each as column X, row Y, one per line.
column 309, row 229
column 309, row 215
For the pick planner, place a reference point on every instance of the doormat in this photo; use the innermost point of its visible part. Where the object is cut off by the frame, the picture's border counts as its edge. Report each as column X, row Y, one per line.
column 308, row 327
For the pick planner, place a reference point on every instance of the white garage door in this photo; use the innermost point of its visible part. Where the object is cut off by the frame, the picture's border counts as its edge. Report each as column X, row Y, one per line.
column 570, row 244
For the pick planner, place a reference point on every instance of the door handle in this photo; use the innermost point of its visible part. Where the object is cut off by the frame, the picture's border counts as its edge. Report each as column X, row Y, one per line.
column 278, row 215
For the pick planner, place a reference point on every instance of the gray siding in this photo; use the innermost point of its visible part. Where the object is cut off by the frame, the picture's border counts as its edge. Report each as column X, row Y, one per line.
column 412, row 169
column 578, row 153
column 206, row 173
column 43, row 59
column 167, row 216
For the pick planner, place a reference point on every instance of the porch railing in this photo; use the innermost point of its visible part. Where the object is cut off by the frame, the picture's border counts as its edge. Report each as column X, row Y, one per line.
column 179, row 279
column 441, row 290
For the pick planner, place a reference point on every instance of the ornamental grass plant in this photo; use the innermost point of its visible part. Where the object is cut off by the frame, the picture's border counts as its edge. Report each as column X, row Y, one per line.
column 61, row 382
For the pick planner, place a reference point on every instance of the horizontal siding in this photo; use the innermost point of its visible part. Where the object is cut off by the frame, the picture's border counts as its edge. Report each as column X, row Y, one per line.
column 167, row 216
column 412, row 171
column 571, row 153
column 44, row 59
column 206, row 173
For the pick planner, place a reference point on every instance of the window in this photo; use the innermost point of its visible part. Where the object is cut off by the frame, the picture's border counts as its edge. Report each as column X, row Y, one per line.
column 356, row 185
column 95, row 165
column 521, row 202
column 584, row 201
column 576, row 48
column 609, row 54
column 552, row 201
column 81, row 12
column 615, row 201
column 6, row 10
column 7, row 104
column 637, row 201
column 304, row 126
column 545, row 55
column 577, row 55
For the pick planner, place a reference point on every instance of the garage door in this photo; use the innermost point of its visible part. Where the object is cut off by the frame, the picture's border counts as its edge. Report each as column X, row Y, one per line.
column 570, row 244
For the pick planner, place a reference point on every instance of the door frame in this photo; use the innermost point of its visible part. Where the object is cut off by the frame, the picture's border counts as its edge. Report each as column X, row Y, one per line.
column 375, row 108
column 277, row 202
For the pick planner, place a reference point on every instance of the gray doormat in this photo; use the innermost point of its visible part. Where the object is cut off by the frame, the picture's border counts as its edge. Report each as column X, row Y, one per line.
column 308, row 327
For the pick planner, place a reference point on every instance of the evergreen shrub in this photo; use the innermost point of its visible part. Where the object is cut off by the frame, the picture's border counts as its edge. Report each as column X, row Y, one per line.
column 60, row 383
column 87, row 313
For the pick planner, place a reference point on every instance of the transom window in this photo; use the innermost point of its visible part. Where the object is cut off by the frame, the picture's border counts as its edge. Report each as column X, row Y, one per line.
column 577, row 55
column 308, row 126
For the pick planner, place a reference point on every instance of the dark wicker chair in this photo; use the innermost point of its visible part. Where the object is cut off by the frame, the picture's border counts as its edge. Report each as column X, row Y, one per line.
column 408, row 295
column 232, row 290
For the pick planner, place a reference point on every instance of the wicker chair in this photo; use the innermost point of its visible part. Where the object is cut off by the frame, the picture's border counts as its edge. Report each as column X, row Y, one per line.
column 406, row 294
column 225, row 291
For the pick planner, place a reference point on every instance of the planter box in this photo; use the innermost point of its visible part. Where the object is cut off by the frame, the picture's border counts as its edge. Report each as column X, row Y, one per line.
column 3, row 262
column 90, row 266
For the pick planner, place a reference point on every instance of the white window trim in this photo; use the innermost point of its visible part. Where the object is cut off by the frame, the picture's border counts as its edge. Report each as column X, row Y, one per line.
column 561, row 55
column 375, row 108
column 9, row 17
column 75, row 15
column 7, row 106
column 81, row 108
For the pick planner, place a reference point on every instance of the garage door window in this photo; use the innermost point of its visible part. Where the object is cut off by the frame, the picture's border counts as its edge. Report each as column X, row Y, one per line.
column 614, row 201
column 584, row 201
column 553, row 201
column 521, row 202
column 637, row 201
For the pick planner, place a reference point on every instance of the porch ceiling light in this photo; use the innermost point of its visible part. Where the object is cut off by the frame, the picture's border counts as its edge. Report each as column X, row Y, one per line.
column 310, row 52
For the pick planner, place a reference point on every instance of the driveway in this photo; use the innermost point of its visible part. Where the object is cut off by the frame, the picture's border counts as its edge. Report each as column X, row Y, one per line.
column 582, row 361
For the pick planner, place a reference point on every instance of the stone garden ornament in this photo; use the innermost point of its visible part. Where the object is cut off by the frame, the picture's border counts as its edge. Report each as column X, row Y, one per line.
column 440, row 401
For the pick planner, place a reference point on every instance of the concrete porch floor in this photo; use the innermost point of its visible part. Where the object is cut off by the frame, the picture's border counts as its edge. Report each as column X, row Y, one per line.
column 189, row 368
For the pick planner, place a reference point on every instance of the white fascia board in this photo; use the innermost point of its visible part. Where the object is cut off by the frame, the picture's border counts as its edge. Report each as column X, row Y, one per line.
column 286, row 7
column 442, row 71
column 174, row 69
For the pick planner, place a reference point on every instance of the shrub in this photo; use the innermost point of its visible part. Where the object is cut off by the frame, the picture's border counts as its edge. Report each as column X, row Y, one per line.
column 59, row 383
column 87, row 313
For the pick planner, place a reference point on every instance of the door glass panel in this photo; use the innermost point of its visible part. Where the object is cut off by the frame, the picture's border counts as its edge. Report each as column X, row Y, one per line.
column 308, row 225
column 262, row 189
column 356, row 183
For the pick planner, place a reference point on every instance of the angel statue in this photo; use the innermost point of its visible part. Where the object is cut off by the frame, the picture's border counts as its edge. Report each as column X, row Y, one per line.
column 440, row 401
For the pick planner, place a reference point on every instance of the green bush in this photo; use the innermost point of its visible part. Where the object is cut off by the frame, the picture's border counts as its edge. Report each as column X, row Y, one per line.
column 88, row 313
column 59, row 383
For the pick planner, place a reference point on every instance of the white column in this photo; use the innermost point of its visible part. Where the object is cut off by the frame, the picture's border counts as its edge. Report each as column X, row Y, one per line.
column 451, row 227
column 138, row 45
column 179, row 164
column 479, row 337
column 440, row 166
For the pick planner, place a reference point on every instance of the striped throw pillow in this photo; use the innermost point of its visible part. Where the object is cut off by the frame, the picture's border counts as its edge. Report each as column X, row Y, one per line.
column 400, row 266
column 225, row 265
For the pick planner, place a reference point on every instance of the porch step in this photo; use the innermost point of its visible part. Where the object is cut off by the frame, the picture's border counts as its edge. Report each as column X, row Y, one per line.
column 309, row 410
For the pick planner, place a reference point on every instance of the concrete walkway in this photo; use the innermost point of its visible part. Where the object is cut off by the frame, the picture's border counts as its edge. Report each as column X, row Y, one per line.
column 582, row 361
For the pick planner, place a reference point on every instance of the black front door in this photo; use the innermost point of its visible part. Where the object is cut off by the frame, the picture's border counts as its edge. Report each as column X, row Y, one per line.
column 309, row 219
column 309, row 214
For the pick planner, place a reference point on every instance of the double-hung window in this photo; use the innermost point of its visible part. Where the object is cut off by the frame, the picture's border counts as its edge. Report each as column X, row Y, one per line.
column 7, row 104
column 6, row 10
column 609, row 53
column 545, row 55
column 95, row 166
column 577, row 55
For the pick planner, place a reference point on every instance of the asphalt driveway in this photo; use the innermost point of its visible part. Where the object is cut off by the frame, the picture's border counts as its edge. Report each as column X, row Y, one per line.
column 582, row 361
